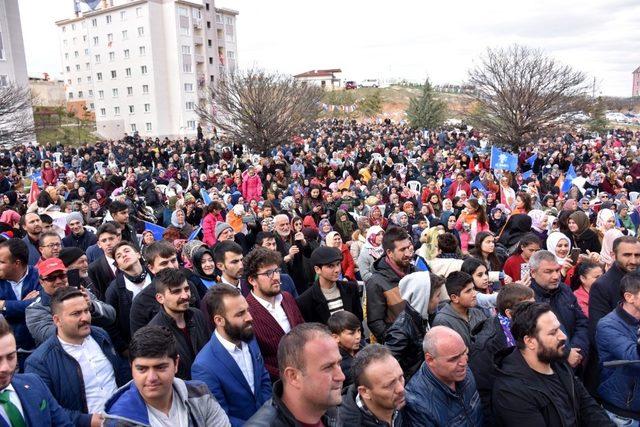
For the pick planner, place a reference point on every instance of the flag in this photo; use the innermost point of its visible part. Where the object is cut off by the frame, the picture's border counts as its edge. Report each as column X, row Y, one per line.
column 205, row 196
column 531, row 160
column 34, row 192
column 194, row 234
column 155, row 229
column 503, row 160
column 37, row 177
column 478, row 184
column 528, row 174
column 568, row 179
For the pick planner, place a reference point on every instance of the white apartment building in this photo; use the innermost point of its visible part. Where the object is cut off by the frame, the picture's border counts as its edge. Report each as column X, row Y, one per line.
column 143, row 65
column 13, row 65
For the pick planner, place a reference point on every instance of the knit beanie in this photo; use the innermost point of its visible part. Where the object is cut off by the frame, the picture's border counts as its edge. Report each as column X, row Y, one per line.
column 220, row 227
column 75, row 216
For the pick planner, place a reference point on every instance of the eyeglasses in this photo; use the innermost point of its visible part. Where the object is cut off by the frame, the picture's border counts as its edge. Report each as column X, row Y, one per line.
column 270, row 273
column 53, row 245
column 50, row 279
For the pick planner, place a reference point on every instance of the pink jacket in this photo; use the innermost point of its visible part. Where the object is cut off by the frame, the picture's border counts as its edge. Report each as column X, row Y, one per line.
column 465, row 236
column 209, row 228
column 251, row 187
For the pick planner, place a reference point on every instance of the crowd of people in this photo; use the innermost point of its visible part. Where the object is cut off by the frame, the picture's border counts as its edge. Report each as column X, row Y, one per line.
column 362, row 275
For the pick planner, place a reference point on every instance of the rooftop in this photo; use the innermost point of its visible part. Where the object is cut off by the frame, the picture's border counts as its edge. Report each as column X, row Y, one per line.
column 320, row 73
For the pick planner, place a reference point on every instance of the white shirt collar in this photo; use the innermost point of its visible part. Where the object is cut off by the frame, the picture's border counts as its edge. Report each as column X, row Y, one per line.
column 228, row 345
column 63, row 342
column 266, row 304
column 21, row 279
column 224, row 280
column 9, row 387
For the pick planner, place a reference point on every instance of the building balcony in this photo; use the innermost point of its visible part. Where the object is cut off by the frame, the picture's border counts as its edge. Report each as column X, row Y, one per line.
column 199, row 59
column 197, row 24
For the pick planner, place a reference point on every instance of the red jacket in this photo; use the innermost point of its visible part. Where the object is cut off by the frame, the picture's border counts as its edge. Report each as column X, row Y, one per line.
column 209, row 228
column 251, row 187
column 455, row 187
column 348, row 264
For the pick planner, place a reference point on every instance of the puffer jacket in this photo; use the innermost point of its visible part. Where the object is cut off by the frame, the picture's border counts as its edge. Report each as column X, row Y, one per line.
column 274, row 413
column 617, row 339
column 384, row 302
column 404, row 340
column 432, row 403
column 565, row 306
column 352, row 415
column 127, row 408
column 63, row 376
column 251, row 187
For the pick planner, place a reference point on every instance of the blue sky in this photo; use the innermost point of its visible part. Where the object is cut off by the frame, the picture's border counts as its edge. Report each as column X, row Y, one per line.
column 401, row 38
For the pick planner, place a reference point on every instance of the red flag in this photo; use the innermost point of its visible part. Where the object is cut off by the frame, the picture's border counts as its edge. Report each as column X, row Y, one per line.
column 34, row 192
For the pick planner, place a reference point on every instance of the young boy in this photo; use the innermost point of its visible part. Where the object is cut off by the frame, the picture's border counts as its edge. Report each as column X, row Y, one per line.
column 347, row 331
column 460, row 314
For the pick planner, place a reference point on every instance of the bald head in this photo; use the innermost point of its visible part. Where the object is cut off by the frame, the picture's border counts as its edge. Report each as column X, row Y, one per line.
column 446, row 355
column 440, row 338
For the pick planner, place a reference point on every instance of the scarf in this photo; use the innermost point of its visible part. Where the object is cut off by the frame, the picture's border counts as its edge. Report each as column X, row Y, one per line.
column 395, row 267
column 505, row 322
column 137, row 279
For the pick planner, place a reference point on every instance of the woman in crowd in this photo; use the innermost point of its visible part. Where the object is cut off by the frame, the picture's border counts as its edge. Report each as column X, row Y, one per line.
column 517, row 265
column 333, row 240
column 371, row 251
column 472, row 221
column 585, row 275
column 204, row 267
column 539, row 224
column 582, row 236
column 477, row 269
column 560, row 246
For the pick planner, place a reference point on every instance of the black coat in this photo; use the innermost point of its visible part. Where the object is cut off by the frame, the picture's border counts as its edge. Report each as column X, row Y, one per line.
column 199, row 334
column 488, row 341
column 587, row 241
column 404, row 340
column 520, row 397
column 119, row 297
column 83, row 242
column 352, row 415
column 101, row 276
column 314, row 308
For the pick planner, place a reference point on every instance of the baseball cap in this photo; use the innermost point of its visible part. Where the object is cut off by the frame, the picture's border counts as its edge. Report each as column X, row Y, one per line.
column 48, row 266
column 325, row 255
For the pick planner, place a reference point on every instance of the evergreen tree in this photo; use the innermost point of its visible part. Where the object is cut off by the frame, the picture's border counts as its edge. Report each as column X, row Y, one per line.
column 426, row 111
column 371, row 105
column 598, row 122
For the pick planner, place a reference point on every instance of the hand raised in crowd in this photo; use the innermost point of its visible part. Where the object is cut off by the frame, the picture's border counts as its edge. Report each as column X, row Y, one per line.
column 31, row 295
column 566, row 266
column 574, row 357
column 293, row 250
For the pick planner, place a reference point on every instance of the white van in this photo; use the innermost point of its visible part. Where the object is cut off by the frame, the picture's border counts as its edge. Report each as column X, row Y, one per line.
column 370, row 83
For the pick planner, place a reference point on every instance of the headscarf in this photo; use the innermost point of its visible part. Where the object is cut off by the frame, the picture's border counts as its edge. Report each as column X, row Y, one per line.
column 174, row 219
column 606, row 253
column 344, row 227
column 10, row 217
column 375, row 251
column 328, row 240
column 197, row 262
column 537, row 218
column 309, row 222
column 321, row 225
column 552, row 242
column 603, row 216
column 582, row 220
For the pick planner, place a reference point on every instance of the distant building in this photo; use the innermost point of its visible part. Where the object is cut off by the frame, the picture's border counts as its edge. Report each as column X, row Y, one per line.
column 326, row 79
column 636, row 83
column 143, row 65
column 47, row 93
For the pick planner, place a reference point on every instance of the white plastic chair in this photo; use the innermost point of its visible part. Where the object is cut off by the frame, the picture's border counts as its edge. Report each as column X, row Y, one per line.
column 99, row 167
column 414, row 186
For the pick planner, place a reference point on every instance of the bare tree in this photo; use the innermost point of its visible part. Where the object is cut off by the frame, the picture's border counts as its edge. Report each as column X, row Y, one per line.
column 260, row 109
column 519, row 92
column 16, row 115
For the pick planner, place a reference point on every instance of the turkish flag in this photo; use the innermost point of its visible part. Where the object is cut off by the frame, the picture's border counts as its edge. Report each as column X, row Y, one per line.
column 34, row 192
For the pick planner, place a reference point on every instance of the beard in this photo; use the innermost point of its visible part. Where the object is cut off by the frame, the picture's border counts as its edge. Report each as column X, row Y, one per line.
column 241, row 333
column 551, row 354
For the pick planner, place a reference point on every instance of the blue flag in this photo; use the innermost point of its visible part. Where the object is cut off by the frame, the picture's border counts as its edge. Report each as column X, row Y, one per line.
column 205, row 196
column 194, row 234
column 531, row 160
column 478, row 184
column 528, row 174
column 155, row 229
column 503, row 160
column 568, row 179
column 37, row 177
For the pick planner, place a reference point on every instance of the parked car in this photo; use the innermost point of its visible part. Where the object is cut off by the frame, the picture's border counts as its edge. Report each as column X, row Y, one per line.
column 350, row 85
column 370, row 83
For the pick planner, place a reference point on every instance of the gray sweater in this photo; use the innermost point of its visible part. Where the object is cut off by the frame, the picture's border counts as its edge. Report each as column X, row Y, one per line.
column 447, row 316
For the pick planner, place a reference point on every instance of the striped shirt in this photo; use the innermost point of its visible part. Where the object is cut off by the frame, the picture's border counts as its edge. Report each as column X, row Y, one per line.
column 334, row 301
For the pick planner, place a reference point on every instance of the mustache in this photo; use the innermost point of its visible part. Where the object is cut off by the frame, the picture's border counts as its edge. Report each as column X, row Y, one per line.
column 561, row 343
column 80, row 325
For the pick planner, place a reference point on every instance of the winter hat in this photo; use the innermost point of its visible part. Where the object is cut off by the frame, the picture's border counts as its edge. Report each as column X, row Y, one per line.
column 70, row 255
column 220, row 227
column 75, row 216
column 324, row 255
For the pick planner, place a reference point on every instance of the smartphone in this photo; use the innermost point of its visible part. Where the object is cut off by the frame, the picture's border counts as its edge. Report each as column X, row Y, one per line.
column 524, row 270
column 73, row 278
column 575, row 253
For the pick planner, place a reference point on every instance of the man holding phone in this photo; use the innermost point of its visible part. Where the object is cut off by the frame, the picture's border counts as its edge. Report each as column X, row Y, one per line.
column 53, row 275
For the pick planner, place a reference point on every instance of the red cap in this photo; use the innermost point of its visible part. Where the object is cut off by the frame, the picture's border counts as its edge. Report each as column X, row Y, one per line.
column 51, row 265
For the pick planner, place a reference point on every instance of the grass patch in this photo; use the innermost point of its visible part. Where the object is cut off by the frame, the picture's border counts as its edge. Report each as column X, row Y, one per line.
column 68, row 135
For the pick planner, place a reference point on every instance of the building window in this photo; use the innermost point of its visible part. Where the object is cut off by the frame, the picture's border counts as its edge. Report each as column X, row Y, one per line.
column 116, row 111
column 145, row 89
column 77, row 67
column 190, row 105
column 138, row 11
column 186, row 50
column 218, row 18
column 210, row 60
column 76, row 54
column 143, row 50
column 186, row 63
column 68, row 69
column 95, row 41
column 86, row 52
column 88, row 79
column 125, row 35
column 206, row 5
column 134, row 128
column 147, row 108
column 113, row 74
column 228, row 20
column 131, row 109
column 123, row 15
column 70, row 95
column 143, row 69
column 114, row 92
column 148, row 127
column 108, row 17
column 64, row 29
column 229, row 36
column 231, row 54
column 4, row 81
column 100, row 94
column 99, row 77
column 73, row 27
column 94, row 22
column 191, row 124
column 66, row 56
column 188, row 87
column 112, row 56
column 80, row 94
column 110, row 37
column 126, row 53
column 103, row 112
column 140, row 31
column 129, row 91
column 208, row 24
column 64, row 42
column 92, row 106
column 209, row 42
column 90, row 93
column 79, row 80
column 97, row 59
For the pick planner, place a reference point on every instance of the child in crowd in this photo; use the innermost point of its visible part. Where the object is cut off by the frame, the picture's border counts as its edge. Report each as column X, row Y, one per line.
column 347, row 331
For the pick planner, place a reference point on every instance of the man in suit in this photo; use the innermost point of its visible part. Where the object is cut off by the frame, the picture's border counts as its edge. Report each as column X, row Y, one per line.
column 102, row 271
column 24, row 399
column 275, row 312
column 242, row 385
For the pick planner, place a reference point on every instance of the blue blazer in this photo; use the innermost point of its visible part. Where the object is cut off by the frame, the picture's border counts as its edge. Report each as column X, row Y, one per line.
column 38, row 405
column 16, row 307
column 215, row 367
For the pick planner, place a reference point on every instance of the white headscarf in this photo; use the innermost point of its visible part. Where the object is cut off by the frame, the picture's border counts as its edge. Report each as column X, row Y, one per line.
column 552, row 242
column 606, row 253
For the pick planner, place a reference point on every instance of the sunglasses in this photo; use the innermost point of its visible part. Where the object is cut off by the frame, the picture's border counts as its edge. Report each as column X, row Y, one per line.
column 61, row 276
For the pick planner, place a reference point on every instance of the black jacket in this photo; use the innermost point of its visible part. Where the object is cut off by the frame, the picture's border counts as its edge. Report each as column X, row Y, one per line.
column 604, row 296
column 101, row 276
column 274, row 413
column 384, row 302
column 314, row 308
column 199, row 334
column 520, row 397
column 404, row 340
column 488, row 341
column 352, row 415
column 83, row 241
column 119, row 297
column 587, row 241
